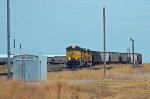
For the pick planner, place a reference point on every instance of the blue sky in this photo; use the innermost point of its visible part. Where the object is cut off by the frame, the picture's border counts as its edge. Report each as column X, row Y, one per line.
column 49, row 26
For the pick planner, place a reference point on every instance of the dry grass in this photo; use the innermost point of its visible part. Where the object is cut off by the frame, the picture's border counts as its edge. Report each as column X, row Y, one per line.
column 115, row 72
column 3, row 68
column 64, row 90
column 80, row 75
column 123, row 82
column 56, row 90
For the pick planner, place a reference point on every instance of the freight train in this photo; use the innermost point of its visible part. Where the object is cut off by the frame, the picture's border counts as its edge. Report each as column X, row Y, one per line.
column 56, row 60
column 51, row 59
column 79, row 57
column 3, row 59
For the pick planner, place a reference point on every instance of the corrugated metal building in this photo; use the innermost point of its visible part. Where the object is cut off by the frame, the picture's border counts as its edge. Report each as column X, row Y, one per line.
column 30, row 67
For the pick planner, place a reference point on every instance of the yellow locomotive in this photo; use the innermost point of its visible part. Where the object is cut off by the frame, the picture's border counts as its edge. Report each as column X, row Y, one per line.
column 78, row 57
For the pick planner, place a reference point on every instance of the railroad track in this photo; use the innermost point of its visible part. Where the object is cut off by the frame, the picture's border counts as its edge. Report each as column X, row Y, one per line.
column 4, row 74
column 73, row 69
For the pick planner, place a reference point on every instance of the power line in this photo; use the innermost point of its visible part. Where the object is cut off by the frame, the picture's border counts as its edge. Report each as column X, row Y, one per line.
column 117, row 14
column 123, row 20
column 120, row 25
column 52, row 5
column 48, row 19
column 35, row 3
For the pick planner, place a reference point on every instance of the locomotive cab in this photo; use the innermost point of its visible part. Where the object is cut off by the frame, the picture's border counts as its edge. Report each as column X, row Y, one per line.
column 78, row 57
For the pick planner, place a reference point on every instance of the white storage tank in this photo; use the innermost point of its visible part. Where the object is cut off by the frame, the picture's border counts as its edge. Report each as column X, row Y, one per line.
column 30, row 67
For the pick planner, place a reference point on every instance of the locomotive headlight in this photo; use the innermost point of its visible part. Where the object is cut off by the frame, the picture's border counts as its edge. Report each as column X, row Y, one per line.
column 76, row 58
column 69, row 58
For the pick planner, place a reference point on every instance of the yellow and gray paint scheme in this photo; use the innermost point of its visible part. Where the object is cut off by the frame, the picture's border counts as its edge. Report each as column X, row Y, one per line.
column 78, row 57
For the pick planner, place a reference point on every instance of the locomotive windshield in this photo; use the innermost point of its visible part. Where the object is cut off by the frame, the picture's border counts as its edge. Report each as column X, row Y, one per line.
column 72, row 48
column 73, row 52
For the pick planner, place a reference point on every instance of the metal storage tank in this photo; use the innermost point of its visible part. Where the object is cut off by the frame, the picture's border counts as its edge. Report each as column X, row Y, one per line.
column 30, row 67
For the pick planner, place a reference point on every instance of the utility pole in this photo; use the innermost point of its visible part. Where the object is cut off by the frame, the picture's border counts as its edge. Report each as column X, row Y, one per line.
column 8, row 38
column 20, row 48
column 14, row 45
column 132, row 50
column 104, row 42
